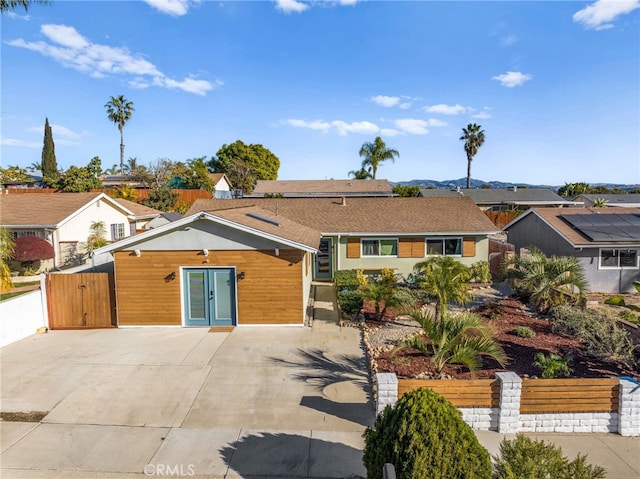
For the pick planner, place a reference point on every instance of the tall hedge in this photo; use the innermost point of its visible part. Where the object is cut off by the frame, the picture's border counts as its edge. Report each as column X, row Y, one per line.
column 425, row 437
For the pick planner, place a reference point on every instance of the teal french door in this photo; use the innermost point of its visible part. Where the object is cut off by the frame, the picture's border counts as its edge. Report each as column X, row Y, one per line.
column 324, row 260
column 209, row 296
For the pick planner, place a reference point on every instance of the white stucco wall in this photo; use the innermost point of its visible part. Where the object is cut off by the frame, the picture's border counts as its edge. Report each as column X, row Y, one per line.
column 21, row 316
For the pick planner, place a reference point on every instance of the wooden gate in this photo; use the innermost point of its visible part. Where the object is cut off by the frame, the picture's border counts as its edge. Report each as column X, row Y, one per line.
column 81, row 301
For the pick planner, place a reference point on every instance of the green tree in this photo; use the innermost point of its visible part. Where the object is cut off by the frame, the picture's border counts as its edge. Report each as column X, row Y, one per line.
column 473, row 137
column 97, row 236
column 546, row 281
column 81, row 179
column 571, row 190
column 375, row 153
column 361, row 174
column 406, row 190
column 7, row 247
column 162, row 199
column 194, row 175
column 114, row 170
column 445, row 279
column 424, row 437
column 245, row 164
column 119, row 111
column 49, row 163
column 455, row 339
column 7, row 5
column 14, row 174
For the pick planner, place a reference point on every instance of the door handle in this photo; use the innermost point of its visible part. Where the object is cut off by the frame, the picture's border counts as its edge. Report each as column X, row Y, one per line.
column 210, row 295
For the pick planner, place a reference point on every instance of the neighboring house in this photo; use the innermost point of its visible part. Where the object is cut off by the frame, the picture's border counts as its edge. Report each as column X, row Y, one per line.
column 502, row 199
column 142, row 215
column 222, row 186
column 242, row 266
column 163, row 219
column 321, row 188
column 631, row 200
column 605, row 240
column 377, row 232
column 116, row 181
column 64, row 219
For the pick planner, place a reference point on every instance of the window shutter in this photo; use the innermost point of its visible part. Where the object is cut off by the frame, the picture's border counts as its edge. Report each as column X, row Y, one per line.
column 353, row 247
column 417, row 248
column 468, row 246
column 405, row 248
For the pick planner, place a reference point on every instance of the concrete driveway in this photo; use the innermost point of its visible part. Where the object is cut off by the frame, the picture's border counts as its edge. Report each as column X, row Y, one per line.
column 270, row 402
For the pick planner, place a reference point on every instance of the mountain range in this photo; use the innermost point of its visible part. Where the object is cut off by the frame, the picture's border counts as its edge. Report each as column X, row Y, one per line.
column 462, row 183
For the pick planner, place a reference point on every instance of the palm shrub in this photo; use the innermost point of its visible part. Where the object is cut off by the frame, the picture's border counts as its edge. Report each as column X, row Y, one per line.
column 553, row 365
column 445, row 279
column 384, row 293
column 479, row 272
column 599, row 331
column 525, row 458
column 546, row 281
column 455, row 339
column 424, row 437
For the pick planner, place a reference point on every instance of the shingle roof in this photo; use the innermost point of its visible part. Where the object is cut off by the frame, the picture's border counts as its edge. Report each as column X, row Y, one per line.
column 552, row 217
column 322, row 187
column 613, row 199
column 267, row 222
column 137, row 208
column 494, row 196
column 43, row 209
column 367, row 215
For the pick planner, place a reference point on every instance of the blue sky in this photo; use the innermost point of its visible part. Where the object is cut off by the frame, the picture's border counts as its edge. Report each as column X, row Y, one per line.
column 555, row 85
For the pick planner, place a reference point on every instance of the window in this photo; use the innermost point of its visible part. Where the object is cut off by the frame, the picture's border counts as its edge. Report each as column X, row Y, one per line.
column 619, row 258
column 380, row 247
column 117, row 231
column 20, row 234
column 444, row 246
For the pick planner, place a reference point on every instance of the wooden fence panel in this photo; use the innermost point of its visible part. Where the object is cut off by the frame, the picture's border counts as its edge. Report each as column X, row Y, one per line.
column 81, row 301
column 461, row 393
column 569, row 395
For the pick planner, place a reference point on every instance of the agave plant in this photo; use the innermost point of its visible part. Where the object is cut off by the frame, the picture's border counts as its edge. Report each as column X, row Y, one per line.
column 455, row 339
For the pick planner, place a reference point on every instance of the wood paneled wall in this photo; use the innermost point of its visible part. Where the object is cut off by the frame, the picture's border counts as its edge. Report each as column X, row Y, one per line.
column 569, row 395
column 467, row 393
column 270, row 293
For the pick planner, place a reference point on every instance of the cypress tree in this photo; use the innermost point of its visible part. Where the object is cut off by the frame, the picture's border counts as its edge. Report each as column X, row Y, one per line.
column 49, row 165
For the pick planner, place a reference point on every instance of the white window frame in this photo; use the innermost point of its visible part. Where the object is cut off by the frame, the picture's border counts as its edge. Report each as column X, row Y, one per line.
column 21, row 233
column 443, row 239
column 600, row 266
column 117, row 231
column 362, row 255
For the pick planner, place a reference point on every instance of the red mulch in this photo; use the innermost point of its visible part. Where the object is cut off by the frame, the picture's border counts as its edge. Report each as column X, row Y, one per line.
column 505, row 315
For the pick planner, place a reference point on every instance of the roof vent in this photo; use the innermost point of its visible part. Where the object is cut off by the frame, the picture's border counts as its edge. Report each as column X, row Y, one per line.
column 344, row 201
column 513, row 188
column 264, row 218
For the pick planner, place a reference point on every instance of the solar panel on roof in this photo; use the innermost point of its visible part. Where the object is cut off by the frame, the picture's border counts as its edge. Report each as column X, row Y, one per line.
column 606, row 227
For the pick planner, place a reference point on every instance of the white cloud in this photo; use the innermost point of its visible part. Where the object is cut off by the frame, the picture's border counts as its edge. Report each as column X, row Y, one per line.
column 404, row 106
column 73, row 50
column 390, row 132
column 291, row 6
column 13, row 142
column 513, row 79
column 318, row 125
column 508, row 40
column 387, row 101
column 412, row 126
column 444, row 109
column 601, row 14
column 436, row 122
column 483, row 115
column 348, row 2
column 362, row 127
column 176, row 8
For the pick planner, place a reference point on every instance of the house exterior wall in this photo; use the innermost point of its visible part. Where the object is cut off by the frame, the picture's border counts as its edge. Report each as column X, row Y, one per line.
column 606, row 280
column 532, row 231
column 272, row 291
column 307, row 277
column 475, row 248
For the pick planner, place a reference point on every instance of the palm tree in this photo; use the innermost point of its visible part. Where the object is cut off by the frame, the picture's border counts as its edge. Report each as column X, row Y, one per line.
column 473, row 137
column 460, row 339
column 547, row 281
column 444, row 278
column 7, row 247
column 361, row 174
column 600, row 203
column 111, row 171
column 375, row 153
column 119, row 111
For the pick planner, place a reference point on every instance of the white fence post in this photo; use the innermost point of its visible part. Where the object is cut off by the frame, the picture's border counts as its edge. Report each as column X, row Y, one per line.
column 629, row 407
column 509, row 413
column 387, row 391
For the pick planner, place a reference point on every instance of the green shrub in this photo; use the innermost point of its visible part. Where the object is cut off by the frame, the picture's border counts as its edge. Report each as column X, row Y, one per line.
column 525, row 458
column 347, row 279
column 615, row 301
column 350, row 302
column 630, row 316
column 523, row 332
column 424, row 437
column 553, row 365
column 479, row 272
column 599, row 331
